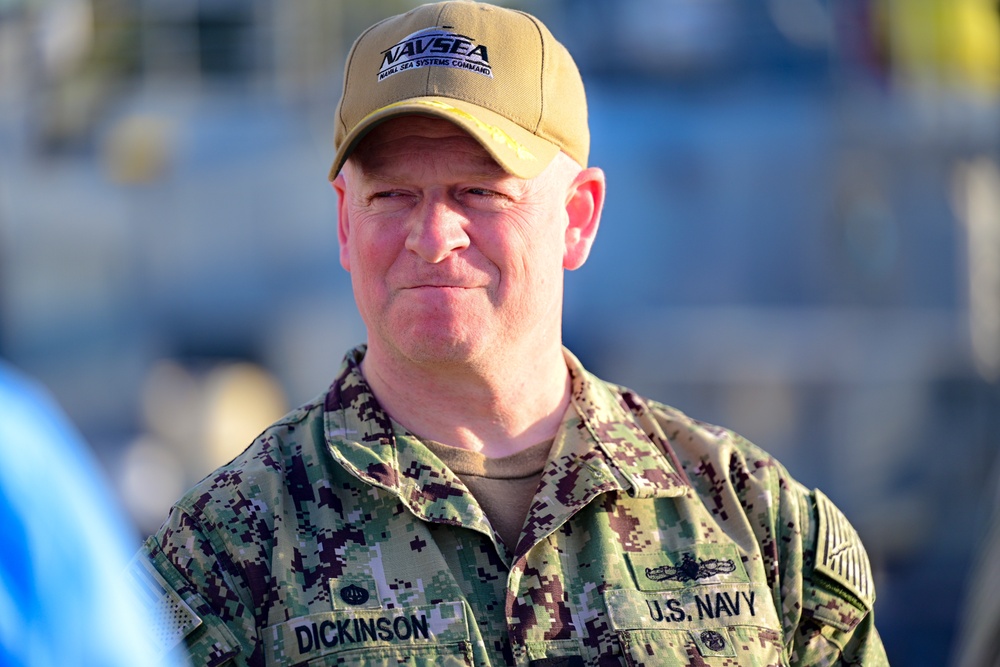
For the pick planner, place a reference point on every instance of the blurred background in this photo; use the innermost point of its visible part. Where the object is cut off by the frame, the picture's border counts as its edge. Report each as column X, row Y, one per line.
column 801, row 241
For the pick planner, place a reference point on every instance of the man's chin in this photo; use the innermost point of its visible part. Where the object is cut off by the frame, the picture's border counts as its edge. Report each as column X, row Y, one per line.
column 441, row 349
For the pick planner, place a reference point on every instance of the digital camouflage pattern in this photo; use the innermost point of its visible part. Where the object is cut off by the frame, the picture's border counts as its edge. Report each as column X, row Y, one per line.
column 653, row 539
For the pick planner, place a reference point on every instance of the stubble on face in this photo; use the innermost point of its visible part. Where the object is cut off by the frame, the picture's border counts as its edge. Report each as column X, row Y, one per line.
column 451, row 258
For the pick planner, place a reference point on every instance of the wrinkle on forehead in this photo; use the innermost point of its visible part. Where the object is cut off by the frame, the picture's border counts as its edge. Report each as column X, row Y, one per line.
column 418, row 135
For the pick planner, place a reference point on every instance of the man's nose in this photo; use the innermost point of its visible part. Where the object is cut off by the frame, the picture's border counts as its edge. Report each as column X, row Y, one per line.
column 438, row 230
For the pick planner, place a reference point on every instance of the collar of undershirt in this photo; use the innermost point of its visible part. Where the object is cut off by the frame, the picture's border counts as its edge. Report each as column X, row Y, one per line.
column 526, row 463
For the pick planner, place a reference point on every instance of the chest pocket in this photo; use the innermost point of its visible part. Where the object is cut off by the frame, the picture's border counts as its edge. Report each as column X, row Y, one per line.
column 431, row 656
column 716, row 624
column 435, row 634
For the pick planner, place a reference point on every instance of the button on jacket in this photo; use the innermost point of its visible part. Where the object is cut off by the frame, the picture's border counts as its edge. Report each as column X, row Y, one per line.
column 338, row 538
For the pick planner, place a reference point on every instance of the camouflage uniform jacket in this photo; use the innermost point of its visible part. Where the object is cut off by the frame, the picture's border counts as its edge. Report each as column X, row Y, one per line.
column 653, row 539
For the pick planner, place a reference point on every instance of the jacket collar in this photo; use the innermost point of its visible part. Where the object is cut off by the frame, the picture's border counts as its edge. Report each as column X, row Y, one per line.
column 601, row 447
column 612, row 418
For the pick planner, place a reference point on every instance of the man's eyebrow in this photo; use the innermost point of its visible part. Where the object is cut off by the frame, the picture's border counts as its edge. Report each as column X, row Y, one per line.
column 373, row 173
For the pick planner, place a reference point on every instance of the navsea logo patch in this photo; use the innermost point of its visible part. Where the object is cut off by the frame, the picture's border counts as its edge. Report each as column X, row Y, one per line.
column 435, row 47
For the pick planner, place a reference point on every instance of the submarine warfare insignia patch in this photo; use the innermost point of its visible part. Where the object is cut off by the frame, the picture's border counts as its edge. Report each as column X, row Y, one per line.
column 840, row 556
column 690, row 569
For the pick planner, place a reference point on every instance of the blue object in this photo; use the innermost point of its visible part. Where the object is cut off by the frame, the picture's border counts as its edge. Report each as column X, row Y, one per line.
column 64, row 544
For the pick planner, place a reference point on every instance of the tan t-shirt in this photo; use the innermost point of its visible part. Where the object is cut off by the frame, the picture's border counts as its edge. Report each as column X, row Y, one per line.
column 504, row 487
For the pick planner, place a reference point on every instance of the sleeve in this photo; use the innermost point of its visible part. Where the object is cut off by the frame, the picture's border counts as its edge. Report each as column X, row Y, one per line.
column 829, row 593
column 194, row 601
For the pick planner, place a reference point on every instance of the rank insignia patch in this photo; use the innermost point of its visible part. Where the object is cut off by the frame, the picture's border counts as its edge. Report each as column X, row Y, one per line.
column 354, row 590
column 354, row 595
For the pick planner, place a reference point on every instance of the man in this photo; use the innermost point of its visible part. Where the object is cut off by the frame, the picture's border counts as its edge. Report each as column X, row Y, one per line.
column 465, row 492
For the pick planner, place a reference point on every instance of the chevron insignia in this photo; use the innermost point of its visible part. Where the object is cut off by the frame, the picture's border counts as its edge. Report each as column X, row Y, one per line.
column 840, row 556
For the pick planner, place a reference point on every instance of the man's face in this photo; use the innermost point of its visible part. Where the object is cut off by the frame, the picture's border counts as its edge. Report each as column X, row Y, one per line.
column 450, row 257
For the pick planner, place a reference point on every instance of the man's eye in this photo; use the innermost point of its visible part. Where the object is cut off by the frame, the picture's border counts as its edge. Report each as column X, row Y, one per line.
column 387, row 197
column 484, row 192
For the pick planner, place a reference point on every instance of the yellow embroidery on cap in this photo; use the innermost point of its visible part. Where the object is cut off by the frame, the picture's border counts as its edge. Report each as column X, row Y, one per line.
column 495, row 133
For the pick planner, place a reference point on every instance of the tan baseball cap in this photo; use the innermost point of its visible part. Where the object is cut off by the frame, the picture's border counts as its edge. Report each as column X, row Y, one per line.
column 497, row 73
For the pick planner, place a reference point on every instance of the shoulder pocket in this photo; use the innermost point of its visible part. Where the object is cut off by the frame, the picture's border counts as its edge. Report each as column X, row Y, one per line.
column 180, row 617
column 842, row 590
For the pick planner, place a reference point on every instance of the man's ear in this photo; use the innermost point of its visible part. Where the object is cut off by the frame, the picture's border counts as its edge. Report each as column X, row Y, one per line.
column 343, row 221
column 584, row 202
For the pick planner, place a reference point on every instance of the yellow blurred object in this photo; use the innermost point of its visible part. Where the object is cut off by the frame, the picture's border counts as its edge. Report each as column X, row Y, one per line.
column 945, row 43
column 240, row 400
column 138, row 149
column 196, row 419
column 975, row 43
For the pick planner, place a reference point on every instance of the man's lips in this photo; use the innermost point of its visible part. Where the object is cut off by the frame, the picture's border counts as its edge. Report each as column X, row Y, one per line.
column 442, row 280
column 442, row 286
column 442, row 290
column 444, row 283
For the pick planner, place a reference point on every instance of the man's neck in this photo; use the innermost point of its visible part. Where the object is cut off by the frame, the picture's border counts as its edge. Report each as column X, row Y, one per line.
column 494, row 408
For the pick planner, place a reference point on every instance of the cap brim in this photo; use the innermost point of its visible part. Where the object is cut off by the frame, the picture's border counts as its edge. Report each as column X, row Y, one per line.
column 515, row 149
